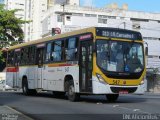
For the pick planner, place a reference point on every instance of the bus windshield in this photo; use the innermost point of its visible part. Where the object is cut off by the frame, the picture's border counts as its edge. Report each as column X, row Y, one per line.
column 118, row 56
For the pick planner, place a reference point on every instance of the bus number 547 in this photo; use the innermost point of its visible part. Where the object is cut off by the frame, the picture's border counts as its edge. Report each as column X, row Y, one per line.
column 116, row 82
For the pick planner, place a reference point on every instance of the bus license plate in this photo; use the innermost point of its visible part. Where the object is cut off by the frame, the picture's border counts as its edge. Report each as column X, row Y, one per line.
column 123, row 92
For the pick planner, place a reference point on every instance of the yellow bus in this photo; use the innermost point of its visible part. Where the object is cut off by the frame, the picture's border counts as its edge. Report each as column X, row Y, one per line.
column 96, row 60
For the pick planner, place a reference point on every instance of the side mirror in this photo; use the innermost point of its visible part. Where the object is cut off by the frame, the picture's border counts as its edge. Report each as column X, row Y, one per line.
column 146, row 51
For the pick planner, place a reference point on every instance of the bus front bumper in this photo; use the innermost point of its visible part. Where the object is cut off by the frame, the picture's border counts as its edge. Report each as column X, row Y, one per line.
column 103, row 88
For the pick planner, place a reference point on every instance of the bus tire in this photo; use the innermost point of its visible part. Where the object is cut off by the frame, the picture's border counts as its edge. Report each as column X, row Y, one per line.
column 58, row 94
column 72, row 96
column 33, row 91
column 25, row 86
column 112, row 97
column 26, row 90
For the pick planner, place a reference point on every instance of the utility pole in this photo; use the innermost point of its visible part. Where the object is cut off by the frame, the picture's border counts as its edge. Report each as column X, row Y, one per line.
column 63, row 14
column 124, row 25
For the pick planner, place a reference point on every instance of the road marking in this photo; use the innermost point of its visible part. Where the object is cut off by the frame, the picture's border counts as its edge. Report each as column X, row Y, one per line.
column 136, row 110
column 131, row 109
column 115, row 105
column 19, row 113
column 99, row 103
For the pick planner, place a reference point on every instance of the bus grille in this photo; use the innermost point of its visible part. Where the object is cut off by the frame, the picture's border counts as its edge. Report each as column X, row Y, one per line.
column 118, row 89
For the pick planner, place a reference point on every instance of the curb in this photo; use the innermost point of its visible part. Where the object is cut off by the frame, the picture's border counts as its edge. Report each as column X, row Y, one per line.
column 152, row 94
column 21, row 117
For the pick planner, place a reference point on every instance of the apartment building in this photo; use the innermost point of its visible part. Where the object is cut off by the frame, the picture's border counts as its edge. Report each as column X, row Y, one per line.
column 32, row 10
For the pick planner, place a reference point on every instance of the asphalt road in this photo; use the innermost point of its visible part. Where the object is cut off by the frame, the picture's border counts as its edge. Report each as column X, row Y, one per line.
column 45, row 106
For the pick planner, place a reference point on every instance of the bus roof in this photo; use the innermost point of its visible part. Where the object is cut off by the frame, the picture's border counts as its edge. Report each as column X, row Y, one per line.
column 59, row 36
column 76, row 32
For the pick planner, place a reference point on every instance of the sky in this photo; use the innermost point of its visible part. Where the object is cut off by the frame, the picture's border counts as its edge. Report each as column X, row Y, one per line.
column 138, row 5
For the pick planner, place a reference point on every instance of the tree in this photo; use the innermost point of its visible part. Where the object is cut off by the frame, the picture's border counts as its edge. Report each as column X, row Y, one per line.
column 10, row 27
column 11, row 32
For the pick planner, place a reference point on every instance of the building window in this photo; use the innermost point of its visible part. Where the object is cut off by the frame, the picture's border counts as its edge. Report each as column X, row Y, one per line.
column 59, row 18
column 104, row 16
column 122, row 18
column 90, row 15
column 150, row 38
column 77, row 14
column 104, row 21
column 139, row 20
column 68, row 18
column 136, row 26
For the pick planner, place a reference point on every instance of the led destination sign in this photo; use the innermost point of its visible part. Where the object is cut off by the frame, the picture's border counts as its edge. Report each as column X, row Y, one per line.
column 119, row 33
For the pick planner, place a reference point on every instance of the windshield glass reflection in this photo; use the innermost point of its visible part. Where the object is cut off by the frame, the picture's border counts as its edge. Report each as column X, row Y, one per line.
column 118, row 56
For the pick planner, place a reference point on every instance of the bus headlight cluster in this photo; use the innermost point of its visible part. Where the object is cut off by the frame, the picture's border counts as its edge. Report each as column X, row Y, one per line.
column 142, row 82
column 100, row 78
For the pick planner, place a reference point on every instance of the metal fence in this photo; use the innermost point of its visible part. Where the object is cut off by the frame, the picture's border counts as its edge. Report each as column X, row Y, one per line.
column 153, row 80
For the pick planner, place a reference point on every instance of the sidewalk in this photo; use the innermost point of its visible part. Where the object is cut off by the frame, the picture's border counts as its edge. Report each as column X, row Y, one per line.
column 8, row 113
column 152, row 94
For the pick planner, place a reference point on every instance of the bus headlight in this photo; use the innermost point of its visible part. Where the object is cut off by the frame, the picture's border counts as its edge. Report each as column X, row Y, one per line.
column 100, row 78
column 142, row 82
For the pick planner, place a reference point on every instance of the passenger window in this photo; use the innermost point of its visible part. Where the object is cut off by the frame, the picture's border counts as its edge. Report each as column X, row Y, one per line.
column 71, row 50
column 11, row 58
column 31, row 54
column 57, row 51
column 48, row 53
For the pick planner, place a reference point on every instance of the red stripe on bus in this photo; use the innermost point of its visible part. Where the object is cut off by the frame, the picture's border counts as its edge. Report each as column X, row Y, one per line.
column 12, row 69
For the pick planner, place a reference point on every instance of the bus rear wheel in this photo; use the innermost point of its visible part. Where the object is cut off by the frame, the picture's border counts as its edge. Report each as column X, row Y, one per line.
column 25, row 86
column 58, row 94
column 72, row 96
column 112, row 97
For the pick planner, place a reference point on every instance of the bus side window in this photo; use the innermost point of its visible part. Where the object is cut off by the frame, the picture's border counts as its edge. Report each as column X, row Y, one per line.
column 16, row 58
column 10, row 58
column 31, row 55
column 71, row 49
column 22, row 54
column 57, row 51
column 48, row 53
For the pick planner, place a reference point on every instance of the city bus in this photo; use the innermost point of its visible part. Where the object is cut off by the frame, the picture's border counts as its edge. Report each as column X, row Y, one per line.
column 90, row 61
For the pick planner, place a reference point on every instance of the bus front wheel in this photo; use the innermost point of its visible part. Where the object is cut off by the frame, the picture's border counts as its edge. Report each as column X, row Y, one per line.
column 72, row 96
column 26, row 90
column 112, row 97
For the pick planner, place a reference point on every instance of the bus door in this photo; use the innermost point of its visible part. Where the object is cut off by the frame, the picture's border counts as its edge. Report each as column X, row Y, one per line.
column 85, row 64
column 39, row 62
column 16, row 82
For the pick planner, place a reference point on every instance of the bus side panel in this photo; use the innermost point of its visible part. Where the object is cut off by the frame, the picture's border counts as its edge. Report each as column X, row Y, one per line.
column 31, row 73
column 12, row 77
column 55, row 77
column 9, row 79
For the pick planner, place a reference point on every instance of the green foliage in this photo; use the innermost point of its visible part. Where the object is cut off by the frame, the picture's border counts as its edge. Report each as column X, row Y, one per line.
column 11, row 32
column 1, row 58
column 10, row 27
